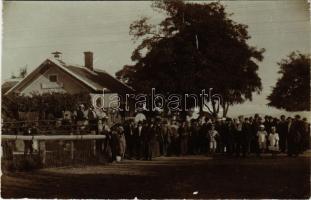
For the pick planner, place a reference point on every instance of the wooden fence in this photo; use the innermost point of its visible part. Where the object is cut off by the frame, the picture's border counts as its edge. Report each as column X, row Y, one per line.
column 52, row 137
column 54, row 150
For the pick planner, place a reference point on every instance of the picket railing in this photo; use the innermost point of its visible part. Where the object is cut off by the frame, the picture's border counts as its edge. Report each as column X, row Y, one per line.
column 52, row 137
column 82, row 148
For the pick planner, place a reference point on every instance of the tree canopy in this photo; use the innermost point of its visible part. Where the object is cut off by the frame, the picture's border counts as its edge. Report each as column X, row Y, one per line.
column 292, row 90
column 197, row 46
column 22, row 73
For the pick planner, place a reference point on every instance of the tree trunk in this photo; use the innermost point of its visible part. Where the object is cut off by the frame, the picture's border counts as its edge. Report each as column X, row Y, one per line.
column 200, row 106
column 215, row 110
column 225, row 107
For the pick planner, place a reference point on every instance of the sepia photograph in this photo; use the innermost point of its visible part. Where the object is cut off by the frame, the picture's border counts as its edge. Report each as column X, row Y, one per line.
column 162, row 99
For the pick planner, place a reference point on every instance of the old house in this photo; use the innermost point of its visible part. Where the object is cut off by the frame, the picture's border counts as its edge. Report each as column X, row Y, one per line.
column 55, row 75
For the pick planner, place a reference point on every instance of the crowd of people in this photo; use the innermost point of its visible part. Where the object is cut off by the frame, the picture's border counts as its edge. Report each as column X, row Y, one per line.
column 233, row 137
column 158, row 136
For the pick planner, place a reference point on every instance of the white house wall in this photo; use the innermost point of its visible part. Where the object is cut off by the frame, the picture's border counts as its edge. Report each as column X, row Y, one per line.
column 65, row 83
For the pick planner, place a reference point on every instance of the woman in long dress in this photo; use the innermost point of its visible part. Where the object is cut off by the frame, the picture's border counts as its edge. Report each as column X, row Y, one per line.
column 122, row 141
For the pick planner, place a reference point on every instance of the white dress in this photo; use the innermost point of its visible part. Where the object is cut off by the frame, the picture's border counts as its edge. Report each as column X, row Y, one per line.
column 212, row 136
column 262, row 139
column 274, row 142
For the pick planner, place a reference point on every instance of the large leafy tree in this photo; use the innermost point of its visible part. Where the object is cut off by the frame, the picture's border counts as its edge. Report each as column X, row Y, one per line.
column 196, row 46
column 292, row 90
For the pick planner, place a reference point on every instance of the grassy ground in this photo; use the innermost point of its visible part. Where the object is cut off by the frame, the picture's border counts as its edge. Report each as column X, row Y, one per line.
column 168, row 177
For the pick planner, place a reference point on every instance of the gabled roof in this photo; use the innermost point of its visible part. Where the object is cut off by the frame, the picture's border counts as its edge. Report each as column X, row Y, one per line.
column 96, row 80
column 8, row 84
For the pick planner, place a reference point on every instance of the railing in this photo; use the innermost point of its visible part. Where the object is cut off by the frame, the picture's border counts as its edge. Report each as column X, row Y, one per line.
column 48, row 127
column 74, row 149
column 52, row 137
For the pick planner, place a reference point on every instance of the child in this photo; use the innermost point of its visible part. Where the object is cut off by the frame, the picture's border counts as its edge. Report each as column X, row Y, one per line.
column 273, row 141
column 261, row 134
column 212, row 139
column 100, row 127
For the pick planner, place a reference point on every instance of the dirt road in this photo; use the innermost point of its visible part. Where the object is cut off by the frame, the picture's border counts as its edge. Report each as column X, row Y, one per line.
column 168, row 177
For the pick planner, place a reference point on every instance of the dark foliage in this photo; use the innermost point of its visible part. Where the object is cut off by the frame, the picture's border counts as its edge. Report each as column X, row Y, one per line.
column 22, row 73
column 292, row 90
column 197, row 46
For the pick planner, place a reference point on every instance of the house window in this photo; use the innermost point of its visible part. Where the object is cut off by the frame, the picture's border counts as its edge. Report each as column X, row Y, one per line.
column 53, row 78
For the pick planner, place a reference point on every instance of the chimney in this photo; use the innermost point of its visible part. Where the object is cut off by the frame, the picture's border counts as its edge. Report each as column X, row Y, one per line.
column 88, row 60
column 56, row 54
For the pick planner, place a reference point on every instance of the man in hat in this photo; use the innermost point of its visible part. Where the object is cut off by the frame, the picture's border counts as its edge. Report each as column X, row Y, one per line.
column 283, row 132
column 174, row 145
column 129, row 136
column 246, row 137
column 80, row 118
column 183, row 134
column 149, row 137
column 138, row 140
column 166, row 137
column 306, row 134
column 160, row 136
column 194, row 137
column 295, row 137
column 92, row 119
column 229, row 136
column 204, row 139
column 29, row 130
column 238, row 125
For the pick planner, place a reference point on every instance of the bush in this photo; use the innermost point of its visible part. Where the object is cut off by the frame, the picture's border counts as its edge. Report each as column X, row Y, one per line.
column 52, row 103
column 27, row 164
column 7, row 166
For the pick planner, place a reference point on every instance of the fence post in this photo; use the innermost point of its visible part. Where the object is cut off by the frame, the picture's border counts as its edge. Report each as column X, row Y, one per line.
column 93, row 143
column 42, row 151
column 7, row 150
column 72, row 148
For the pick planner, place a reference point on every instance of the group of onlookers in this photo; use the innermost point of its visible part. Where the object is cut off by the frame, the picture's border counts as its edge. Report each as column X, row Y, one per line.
column 239, row 137
column 166, row 137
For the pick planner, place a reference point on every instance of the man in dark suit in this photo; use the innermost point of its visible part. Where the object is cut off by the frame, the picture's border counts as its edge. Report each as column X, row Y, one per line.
column 183, row 135
column 29, row 130
column 294, row 136
column 306, row 134
column 146, row 137
column 282, row 130
column 229, row 135
column 138, row 140
column 130, row 139
column 152, row 140
column 246, row 137
column 194, row 137
column 204, row 140
column 165, row 131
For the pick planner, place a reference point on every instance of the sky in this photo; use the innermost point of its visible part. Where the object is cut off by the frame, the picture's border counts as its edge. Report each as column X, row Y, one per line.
column 32, row 30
